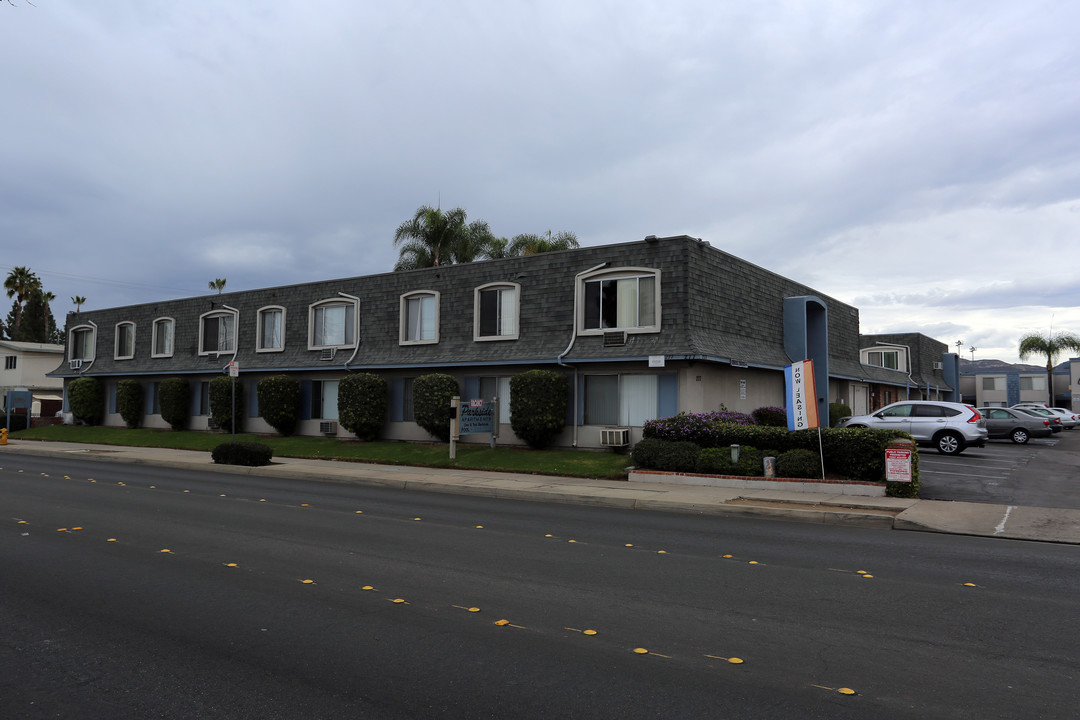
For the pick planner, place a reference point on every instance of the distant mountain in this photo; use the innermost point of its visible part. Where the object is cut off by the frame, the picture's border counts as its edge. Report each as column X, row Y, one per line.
column 999, row 366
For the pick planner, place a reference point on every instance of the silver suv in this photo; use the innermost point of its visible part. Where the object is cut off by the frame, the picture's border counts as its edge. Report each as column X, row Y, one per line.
column 950, row 427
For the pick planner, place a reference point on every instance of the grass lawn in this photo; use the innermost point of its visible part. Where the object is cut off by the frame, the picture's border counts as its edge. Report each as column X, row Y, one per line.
column 573, row 463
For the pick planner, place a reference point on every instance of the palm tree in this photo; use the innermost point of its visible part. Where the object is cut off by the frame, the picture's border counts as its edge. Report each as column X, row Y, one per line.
column 218, row 284
column 19, row 283
column 530, row 244
column 79, row 301
column 1049, row 345
column 430, row 238
column 474, row 244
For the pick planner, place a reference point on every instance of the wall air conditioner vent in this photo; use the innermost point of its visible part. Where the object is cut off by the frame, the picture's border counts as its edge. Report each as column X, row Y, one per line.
column 328, row 354
column 939, row 366
column 614, row 339
column 328, row 427
column 615, row 436
column 75, row 365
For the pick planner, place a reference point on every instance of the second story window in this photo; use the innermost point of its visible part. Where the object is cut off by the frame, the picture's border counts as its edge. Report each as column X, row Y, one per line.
column 627, row 299
column 496, row 312
column 125, row 341
column 82, row 343
column 163, row 338
column 884, row 359
column 217, row 333
column 271, row 330
column 332, row 324
column 419, row 318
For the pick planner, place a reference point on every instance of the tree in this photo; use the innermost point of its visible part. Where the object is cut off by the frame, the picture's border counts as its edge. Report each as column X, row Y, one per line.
column 279, row 402
column 429, row 238
column 529, row 244
column 19, row 283
column 218, row 284
column 1051, row 346
column 431, row 403
column 79, row 301
column 38, row 324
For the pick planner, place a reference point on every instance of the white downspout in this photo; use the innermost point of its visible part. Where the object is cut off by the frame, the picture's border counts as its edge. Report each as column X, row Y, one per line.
column 573, row 338
column 356, row 326
column 236, row 330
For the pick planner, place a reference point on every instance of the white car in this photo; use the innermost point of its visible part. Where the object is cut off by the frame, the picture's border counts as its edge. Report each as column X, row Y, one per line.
column 949, row 426
column 1068, row 418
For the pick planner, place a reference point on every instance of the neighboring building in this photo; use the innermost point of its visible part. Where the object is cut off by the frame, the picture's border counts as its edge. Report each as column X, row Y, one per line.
column 643, row 330
column 24, row 366
column 991, row 383
column 909, row 366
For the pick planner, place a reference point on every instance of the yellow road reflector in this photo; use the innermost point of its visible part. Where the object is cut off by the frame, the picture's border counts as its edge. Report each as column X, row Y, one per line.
column 641, row 651
column 23, row 522
column 367, row 587
column 728, row 556
column 110, row 540
column 153, row 487
column 76, row 528
column 231, row 565
column 91, row 479
column 166, row 550
column 573, row 541
column 868, row 575
column 304, row 505
column 588, row 632
column 262, row 499
column 752, row 562
column 661, row 552
column 845, row 691
column 61, row 529
column 308, row 582
column 629, row 544
column 187, row 491
column 479, row 527
column 547, row 535
column 416, row 518
column 970, row 585
column 474, row 609
column 359, row 512
column 398, row 601
column 861, row 572
column 500, row 623
column 222, row 495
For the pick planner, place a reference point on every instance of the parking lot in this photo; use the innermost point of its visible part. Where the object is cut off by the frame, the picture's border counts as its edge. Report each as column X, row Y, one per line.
column 1043, row 473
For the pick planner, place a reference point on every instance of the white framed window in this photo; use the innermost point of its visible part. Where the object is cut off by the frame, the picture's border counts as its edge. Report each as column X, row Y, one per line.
column 622, row 299
column 217, row 332
column 162, row 343
column 627, row 400
column 270, row 331
column 889, row 359
column 324, row 399
column 82, row 342
column 331, row 324
column 993, row 383
column 125, row 341
column 497, row 386
column 1032, row 382
column 419, row 318
column 496, row 313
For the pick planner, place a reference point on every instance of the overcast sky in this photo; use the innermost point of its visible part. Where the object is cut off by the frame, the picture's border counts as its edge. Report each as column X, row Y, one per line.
column 919, row 160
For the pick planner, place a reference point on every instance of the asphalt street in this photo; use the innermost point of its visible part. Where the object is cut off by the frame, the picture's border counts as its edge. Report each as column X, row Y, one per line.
column 131, row 591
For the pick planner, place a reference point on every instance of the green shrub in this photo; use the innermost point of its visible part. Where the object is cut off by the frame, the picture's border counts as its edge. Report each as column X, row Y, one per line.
column 538, row 406
column 129, row 402
column 251, row 454
column 174, row 398
column 798, row 464
column 86, row 398
column 714, row 461
column 362, row 403
column 221, row 403
column 646, row 453
column 770, row 416
column 431, row 403
column 18, row 421
column 279, row 402
column 837, row 410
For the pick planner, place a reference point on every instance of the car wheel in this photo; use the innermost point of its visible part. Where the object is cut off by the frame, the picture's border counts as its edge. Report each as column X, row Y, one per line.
column 1019, row 436
column 950, row 444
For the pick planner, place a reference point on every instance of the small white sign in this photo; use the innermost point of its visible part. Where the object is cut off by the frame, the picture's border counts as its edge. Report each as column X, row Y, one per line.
column 476, row 402
column 656, row 361
column 234, row 369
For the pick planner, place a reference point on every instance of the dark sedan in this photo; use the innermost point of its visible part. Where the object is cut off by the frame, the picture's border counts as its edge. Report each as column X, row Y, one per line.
column 1015, row 424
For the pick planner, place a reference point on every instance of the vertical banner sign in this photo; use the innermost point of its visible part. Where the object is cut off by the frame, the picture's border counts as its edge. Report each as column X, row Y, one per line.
column 802, row 410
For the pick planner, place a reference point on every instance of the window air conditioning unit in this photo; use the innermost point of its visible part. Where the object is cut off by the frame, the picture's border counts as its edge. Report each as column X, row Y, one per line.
column 75, row 365
column 615, row 436
column 328, row 427
column 328, row 354
column 614, row 339
column 939, row 366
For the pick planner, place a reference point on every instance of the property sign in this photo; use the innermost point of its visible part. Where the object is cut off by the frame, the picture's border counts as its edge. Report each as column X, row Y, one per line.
column 802, row 410
column 234, row 369
column 898, row 464
column 476, row 417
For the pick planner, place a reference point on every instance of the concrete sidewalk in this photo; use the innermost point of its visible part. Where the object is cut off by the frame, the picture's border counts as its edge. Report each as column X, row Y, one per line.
column 1021, row 523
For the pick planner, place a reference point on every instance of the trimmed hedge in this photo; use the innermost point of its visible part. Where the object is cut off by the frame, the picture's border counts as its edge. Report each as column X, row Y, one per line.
column 431, row 403
column 770, row 416
column 129, row 402
column 853, row 453
column 836, row 411
column 221, row 403
column 86, row 398
column 250, row 454
column 18, row 421
column 279, row 402
column 362, row 403
column 174, row 399
column 538, row 404
column 798, row 464
column 663, row 455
